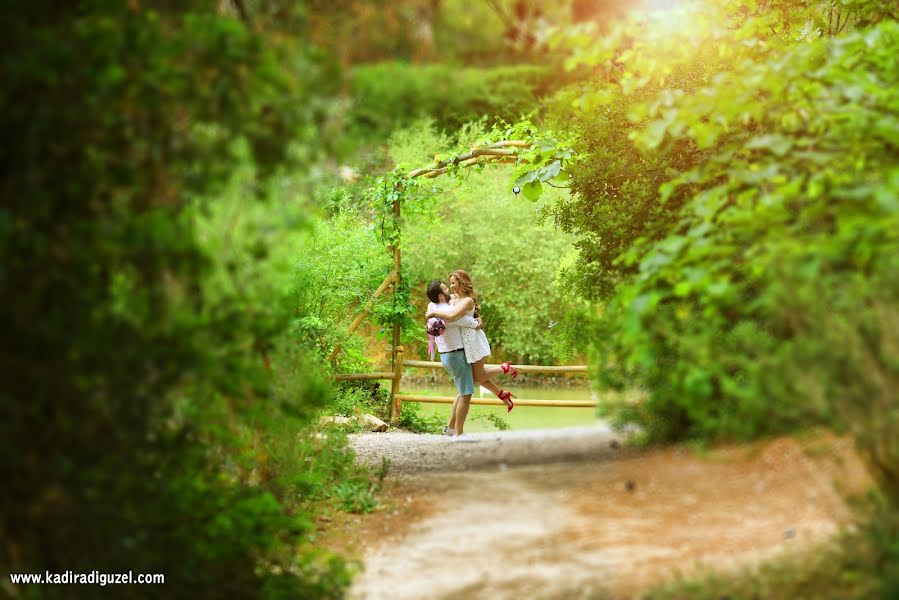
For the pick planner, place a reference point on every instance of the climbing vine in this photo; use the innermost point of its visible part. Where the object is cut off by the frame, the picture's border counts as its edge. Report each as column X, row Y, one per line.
column 539, row 158
column 545, row 156
column 412, row 196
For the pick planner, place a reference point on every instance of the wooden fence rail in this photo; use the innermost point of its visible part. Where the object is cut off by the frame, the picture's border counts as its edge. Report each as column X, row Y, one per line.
column 364, row 376
column 399, row 398
column 365, row 310
column 497, row 402
column 425, row 364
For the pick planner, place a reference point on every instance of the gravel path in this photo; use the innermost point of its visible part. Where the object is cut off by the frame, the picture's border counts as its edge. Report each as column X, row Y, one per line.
column 591, row 529
column 417, row 453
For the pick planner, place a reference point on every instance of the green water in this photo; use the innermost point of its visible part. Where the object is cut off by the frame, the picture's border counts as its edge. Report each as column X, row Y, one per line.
column 521, row 417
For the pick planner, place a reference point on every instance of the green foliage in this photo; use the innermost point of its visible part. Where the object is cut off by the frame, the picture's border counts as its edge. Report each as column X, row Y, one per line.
column 415, row 146
column 340, row 265
column 468, row 33
column 642, row 68
column 544, row 159
column 614, row 205
column 739, row 177
column 497, row 421
column 481, row 227
column 391, row 95
column 411, row 420
column 358, row 396
column 394, row 198
column 356, row 496
column 151, row 419
column 803, row 196
column 844, row 348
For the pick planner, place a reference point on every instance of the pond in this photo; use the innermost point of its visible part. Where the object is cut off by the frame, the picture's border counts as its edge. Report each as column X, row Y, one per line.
column 521, row 417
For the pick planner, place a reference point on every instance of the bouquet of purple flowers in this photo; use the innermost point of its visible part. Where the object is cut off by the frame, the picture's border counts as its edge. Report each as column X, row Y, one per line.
column 435, row 327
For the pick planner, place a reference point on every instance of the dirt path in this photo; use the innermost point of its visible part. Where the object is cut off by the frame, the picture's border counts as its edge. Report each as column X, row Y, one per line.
column 607, row 527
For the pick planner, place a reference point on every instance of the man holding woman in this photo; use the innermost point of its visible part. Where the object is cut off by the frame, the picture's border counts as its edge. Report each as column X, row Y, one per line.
column 463, row 346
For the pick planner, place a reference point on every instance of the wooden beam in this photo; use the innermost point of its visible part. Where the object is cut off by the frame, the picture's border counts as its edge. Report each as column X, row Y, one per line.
column 499, row 150
column 497, row 402
column 466, row 163
column 509, row 144
column 364, row 376
column 395, row 404
column 426, row 364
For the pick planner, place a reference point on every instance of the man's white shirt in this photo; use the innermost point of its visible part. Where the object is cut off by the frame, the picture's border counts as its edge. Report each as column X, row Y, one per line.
column 452, row 337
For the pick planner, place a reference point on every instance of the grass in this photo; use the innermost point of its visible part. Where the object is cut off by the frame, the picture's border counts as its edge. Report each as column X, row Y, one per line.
column 487, row 418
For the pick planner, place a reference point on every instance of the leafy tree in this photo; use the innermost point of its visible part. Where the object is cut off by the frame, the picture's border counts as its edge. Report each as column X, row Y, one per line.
column 129, row 373
column 390, row 95
column 753, row 189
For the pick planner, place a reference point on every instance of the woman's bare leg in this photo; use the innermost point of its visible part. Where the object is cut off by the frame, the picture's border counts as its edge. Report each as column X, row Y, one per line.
column 481, row 373
column 482, row 377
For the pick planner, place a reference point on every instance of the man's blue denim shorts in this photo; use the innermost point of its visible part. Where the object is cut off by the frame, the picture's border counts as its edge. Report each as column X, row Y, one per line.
column 458, row 367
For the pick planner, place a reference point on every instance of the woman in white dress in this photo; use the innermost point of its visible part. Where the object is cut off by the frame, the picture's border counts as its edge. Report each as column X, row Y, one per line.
column 465, row 300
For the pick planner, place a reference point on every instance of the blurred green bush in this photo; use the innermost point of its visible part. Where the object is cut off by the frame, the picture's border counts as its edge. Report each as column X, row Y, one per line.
column 391, row 95
column 753, row 191
column 157, row 416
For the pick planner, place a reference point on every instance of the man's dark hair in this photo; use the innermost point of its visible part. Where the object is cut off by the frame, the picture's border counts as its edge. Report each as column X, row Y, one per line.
column 434, row 291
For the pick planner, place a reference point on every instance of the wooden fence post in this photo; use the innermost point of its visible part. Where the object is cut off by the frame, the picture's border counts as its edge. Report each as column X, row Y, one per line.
column 395, row 401
column 397, row 349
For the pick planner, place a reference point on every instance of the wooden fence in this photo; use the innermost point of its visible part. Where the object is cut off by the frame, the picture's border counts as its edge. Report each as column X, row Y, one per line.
column 397, row 398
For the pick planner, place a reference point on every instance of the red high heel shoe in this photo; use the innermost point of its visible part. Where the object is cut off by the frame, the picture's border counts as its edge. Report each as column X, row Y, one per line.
column 504, row 395
column 506, row 367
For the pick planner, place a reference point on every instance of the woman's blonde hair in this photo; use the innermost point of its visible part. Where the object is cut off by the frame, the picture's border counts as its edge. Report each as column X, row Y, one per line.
column 467, row 288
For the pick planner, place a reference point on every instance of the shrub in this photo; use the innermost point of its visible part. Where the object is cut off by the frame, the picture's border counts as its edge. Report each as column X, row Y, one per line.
column 391, row 95
column 703, row 324
column 141, row 408
column 340, row 265
column 757, row 175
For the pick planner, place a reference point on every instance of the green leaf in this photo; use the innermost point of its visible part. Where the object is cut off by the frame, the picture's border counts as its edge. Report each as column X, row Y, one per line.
column 547, row 145
column 705, row 135
column 682, row 289
column 653, row 134
column 777, row 144
column 532, row 190
column 527, row 178
column 548, row 172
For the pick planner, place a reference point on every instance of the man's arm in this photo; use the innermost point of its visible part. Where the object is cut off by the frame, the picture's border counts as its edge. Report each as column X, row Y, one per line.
column 466, row 321
column 452, row 313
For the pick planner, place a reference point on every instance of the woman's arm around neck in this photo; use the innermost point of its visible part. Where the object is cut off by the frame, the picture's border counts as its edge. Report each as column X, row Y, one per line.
column 455, row 311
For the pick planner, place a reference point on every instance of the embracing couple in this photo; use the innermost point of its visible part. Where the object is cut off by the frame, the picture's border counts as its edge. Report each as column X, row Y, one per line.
column 454, row 322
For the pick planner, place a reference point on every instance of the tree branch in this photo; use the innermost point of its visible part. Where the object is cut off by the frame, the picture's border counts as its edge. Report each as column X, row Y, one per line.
column 435, row 171
column 498, row 149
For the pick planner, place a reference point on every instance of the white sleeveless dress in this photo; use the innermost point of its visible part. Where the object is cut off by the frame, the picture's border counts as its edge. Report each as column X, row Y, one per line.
column 475, row 342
